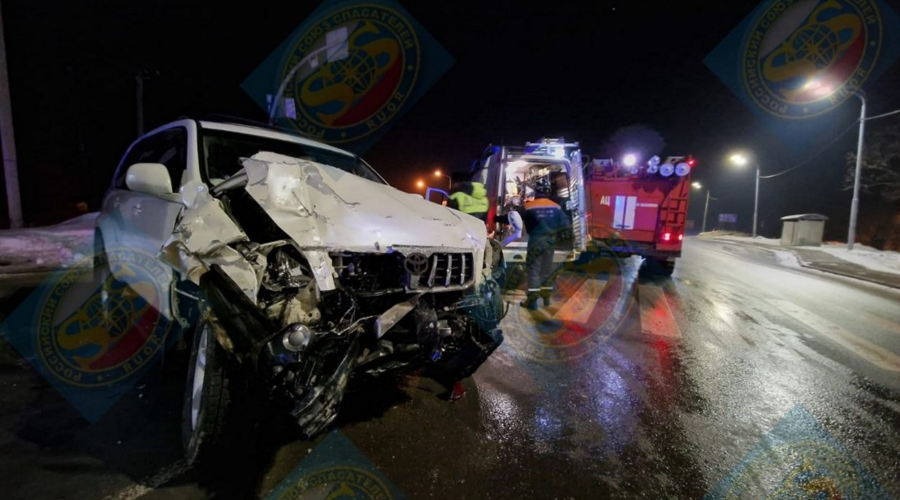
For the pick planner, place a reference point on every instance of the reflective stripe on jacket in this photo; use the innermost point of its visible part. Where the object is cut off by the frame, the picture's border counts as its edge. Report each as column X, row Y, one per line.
column 474, row 203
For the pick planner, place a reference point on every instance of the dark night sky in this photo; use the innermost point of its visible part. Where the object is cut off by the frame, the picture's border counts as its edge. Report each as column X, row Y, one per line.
column 522, row 71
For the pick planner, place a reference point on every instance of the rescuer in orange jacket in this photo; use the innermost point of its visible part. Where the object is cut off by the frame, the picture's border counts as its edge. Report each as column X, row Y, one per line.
column 547, row 225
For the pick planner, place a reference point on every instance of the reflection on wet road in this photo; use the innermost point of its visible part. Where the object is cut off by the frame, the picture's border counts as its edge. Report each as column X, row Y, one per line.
column 704, row 367
column 736, row 378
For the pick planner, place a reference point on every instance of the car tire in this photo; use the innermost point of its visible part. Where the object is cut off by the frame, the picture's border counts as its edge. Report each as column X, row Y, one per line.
column 208, row 397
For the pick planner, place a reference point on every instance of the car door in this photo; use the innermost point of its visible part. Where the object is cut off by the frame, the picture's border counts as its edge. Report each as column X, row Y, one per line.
column 143, row 220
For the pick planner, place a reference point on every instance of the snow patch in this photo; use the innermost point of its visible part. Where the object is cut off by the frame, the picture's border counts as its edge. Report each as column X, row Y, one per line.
column 759, row 240
column 787, row 258
column 41, row 249
column 877, row 260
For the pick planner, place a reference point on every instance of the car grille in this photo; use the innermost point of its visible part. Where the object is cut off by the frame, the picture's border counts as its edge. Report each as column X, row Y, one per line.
column 375, row 274
column 443, row 270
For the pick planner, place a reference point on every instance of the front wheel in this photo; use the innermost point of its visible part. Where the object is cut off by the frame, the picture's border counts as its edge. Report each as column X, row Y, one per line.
column 208, row 396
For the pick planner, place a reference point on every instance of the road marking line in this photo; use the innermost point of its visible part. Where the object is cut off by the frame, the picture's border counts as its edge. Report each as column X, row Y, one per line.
column 580, row 305
column 149, row 484
column 656, row 315
column 874, row 354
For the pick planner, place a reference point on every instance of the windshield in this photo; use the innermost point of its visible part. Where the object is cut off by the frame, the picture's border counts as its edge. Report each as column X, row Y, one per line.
column 223, row 151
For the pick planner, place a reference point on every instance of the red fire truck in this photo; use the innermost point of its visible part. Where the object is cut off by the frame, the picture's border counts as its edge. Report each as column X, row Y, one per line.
column 624, row 207
column 640, row 208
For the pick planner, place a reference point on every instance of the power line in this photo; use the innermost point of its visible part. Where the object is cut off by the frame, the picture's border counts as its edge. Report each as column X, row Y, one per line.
column 811, row 158
column 852, row 125
column 883, row 115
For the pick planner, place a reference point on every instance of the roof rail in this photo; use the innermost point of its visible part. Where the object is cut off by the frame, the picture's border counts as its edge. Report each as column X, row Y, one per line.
column 223, row 118
column 552, row 141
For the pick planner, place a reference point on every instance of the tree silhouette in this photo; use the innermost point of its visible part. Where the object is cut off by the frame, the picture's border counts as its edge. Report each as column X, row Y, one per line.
column 880, row 172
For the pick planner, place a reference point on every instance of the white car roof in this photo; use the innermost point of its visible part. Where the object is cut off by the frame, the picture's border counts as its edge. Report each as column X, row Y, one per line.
column 269, row 134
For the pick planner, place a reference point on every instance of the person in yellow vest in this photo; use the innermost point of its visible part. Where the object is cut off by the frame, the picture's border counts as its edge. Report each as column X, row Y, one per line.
column 470, row 198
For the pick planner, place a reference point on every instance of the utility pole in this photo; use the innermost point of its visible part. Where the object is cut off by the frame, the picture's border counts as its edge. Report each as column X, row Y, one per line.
column 756, row 200
column 140, row 76
column 139, row 85
column 854, row 205
column 705, row 209
column 8, row 141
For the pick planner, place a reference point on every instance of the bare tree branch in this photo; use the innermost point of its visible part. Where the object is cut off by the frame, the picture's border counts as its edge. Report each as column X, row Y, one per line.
column 880, row 168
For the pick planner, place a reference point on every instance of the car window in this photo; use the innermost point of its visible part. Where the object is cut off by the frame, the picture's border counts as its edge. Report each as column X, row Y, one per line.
column 223, row 151
column 168, row 147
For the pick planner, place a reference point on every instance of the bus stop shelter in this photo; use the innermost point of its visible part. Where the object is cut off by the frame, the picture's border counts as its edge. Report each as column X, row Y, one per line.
column 802, row 230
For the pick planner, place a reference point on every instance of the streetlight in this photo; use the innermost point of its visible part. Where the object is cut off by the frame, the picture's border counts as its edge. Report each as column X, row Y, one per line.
column 741, row 160
column 420, row 184
column 438, row 173
column 697, row 185
column 854, row 205
column 825, row 91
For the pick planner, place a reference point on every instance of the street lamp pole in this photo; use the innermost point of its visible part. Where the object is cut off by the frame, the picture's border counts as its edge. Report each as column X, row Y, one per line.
column 756, row 200
column 741, row 160
column 705, row 210
column 438, row 173
column 854, row 206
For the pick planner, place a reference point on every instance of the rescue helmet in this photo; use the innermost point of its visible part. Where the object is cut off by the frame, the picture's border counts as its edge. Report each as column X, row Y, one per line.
column 542, row 186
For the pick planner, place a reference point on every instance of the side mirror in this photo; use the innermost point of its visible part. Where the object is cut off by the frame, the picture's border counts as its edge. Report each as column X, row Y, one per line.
column 149, row 178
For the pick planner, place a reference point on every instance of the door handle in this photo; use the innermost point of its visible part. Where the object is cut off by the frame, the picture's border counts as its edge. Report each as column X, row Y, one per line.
column 136, row 210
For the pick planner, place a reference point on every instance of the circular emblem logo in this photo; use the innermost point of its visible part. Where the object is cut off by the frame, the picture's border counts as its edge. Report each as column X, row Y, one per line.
column 803, row 58
column 803, row 469
column 338, row 483
column 97, row 331
column 416, row 263
column 590, row 300
column 363, row 65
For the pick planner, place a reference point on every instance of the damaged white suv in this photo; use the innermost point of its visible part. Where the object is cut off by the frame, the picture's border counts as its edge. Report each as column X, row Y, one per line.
column 310, row 269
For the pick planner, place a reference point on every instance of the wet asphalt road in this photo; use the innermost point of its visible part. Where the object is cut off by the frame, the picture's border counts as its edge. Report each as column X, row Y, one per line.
column 738, row 376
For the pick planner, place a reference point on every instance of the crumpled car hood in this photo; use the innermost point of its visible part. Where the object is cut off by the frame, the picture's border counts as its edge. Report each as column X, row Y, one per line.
column 323, row 207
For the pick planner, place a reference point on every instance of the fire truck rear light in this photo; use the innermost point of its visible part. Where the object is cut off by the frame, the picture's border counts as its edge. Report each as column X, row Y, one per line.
column 682, row 169
column 667, row 236
column 680, row 237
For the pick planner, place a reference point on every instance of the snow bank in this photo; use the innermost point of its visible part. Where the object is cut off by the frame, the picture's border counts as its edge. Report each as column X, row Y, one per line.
column 746, row 239
column 876, row 260
column 47, row 248
column 868, row 257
